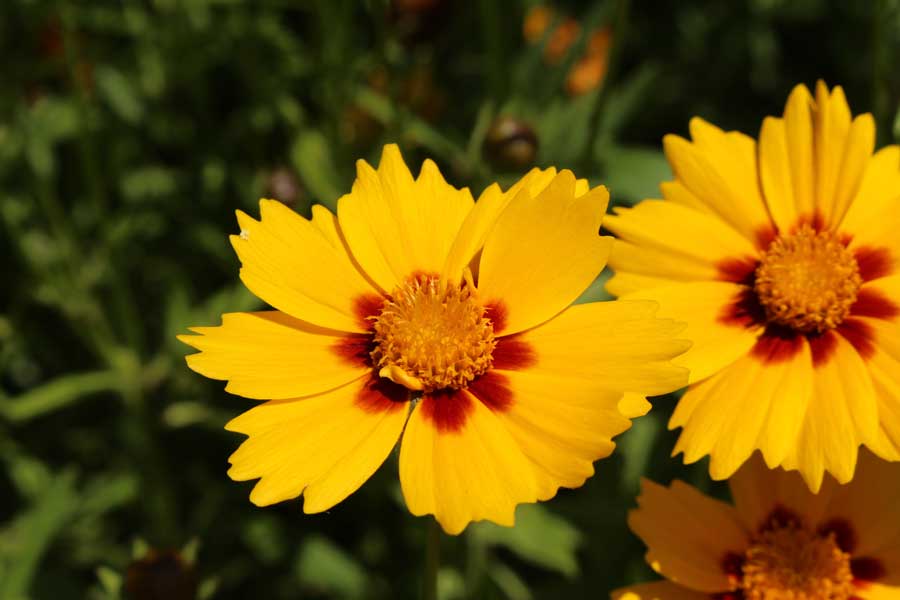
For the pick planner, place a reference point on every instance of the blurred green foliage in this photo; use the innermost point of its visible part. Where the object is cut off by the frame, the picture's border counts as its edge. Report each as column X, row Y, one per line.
column 129, row 133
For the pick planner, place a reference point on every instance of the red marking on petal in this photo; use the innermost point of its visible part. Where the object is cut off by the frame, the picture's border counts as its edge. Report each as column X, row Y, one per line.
column 365, row 307
column 738, row 270
column 382, row 395
column 493, row 390
column 873, row 262
column 733, row 565
column 765, row 235
column 816, row 221
column 780, row 517
column 845, row 238
column 777, row 344
column 844, row 535
column 447, row 409
column 860, row 335
column 744, row 311
column 513, row 353
column 823, row 346
column 866, row 569
column 735, row 595
column 497, row 312
column 872, row 303
column 355, row 349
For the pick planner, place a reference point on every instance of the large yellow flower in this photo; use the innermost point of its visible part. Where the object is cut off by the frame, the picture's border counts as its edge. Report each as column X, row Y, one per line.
column 418, row 312
column 778, row 541
column 782, row 257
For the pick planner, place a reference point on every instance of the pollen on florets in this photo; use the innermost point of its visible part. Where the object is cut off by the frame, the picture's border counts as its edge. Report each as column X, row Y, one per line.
column 797, row 563
column 807, row 280
column 430, row 335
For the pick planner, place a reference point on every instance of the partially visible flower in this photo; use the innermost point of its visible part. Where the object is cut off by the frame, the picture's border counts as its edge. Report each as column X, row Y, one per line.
column 777, row 541
column 510, row 144
column 417, row 312
column 283, row 185
column 784, row 259
column 588, row 73
column 161, row 575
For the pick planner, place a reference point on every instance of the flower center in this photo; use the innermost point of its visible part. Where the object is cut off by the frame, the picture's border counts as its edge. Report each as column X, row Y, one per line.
column 430, row 336
column 807, row 280
column 793, row 563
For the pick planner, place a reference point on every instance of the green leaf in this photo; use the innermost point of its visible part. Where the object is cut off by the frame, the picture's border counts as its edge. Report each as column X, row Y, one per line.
column 539, row 537
column 148, row 182
column 32, row 533
column 636, row 447
column 897, row 125
column 634, row 173
column 324, row 565
column 110, row 581
column 311, row 156
column 57, row 394
column 120, row 94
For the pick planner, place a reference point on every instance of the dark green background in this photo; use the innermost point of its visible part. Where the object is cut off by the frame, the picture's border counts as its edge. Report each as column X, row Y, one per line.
column 129, row 133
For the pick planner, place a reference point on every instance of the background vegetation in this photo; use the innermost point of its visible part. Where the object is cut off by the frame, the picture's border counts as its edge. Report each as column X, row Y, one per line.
column 130, row 130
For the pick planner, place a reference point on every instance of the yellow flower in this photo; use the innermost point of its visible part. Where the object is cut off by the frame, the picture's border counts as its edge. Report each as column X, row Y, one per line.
column 777, row 541
column 782, row 257
column 415, row 311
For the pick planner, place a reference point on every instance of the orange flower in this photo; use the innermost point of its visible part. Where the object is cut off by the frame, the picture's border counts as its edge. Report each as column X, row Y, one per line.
column 778, row 540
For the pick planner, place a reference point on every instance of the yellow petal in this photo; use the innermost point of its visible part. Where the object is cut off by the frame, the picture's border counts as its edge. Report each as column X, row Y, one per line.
column 720, row 169
column 396, row 226
column 679, row 230
column 884, row 368
column 870, row 503
column 323, row 447
column 658, row 590
column 688, row 535
column 798, row 125
column 639, row 267
column 562, row 425
column 288, row 262
column 842, row 414
column 750, row 404
column 634, row 405
column 483, row 216
column 271, row 355
column 621, row 347
column 703, row 307
column 459, row 463
column 757, row 491
column 543, row 252
column 878, row 194
column 776, row 174
column 879, row 591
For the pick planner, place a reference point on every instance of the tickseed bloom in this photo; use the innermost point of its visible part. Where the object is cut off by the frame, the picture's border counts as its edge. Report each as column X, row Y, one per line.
column 778, row 541
column 782, row 257
column 415, row 311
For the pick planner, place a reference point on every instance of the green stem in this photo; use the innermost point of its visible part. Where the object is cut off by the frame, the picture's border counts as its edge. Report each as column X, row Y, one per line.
column 620, row 33
column 432, row 560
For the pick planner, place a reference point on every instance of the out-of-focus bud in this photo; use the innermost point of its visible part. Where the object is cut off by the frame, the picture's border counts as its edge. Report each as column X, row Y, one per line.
column 421, row 95
column 418, row 20
column 510, row 144
column 561, row 41
column 588, row 73
column 161, row 575
column 536, row 23
column 282, row 185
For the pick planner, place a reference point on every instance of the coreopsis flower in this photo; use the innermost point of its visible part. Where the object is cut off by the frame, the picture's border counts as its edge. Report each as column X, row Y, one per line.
column 416, row 312
column 782, row 257
column 776, row 541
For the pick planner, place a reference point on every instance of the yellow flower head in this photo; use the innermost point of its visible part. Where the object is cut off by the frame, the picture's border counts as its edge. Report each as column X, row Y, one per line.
column 777, row 541
column 782, row 257
column 417, row 312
